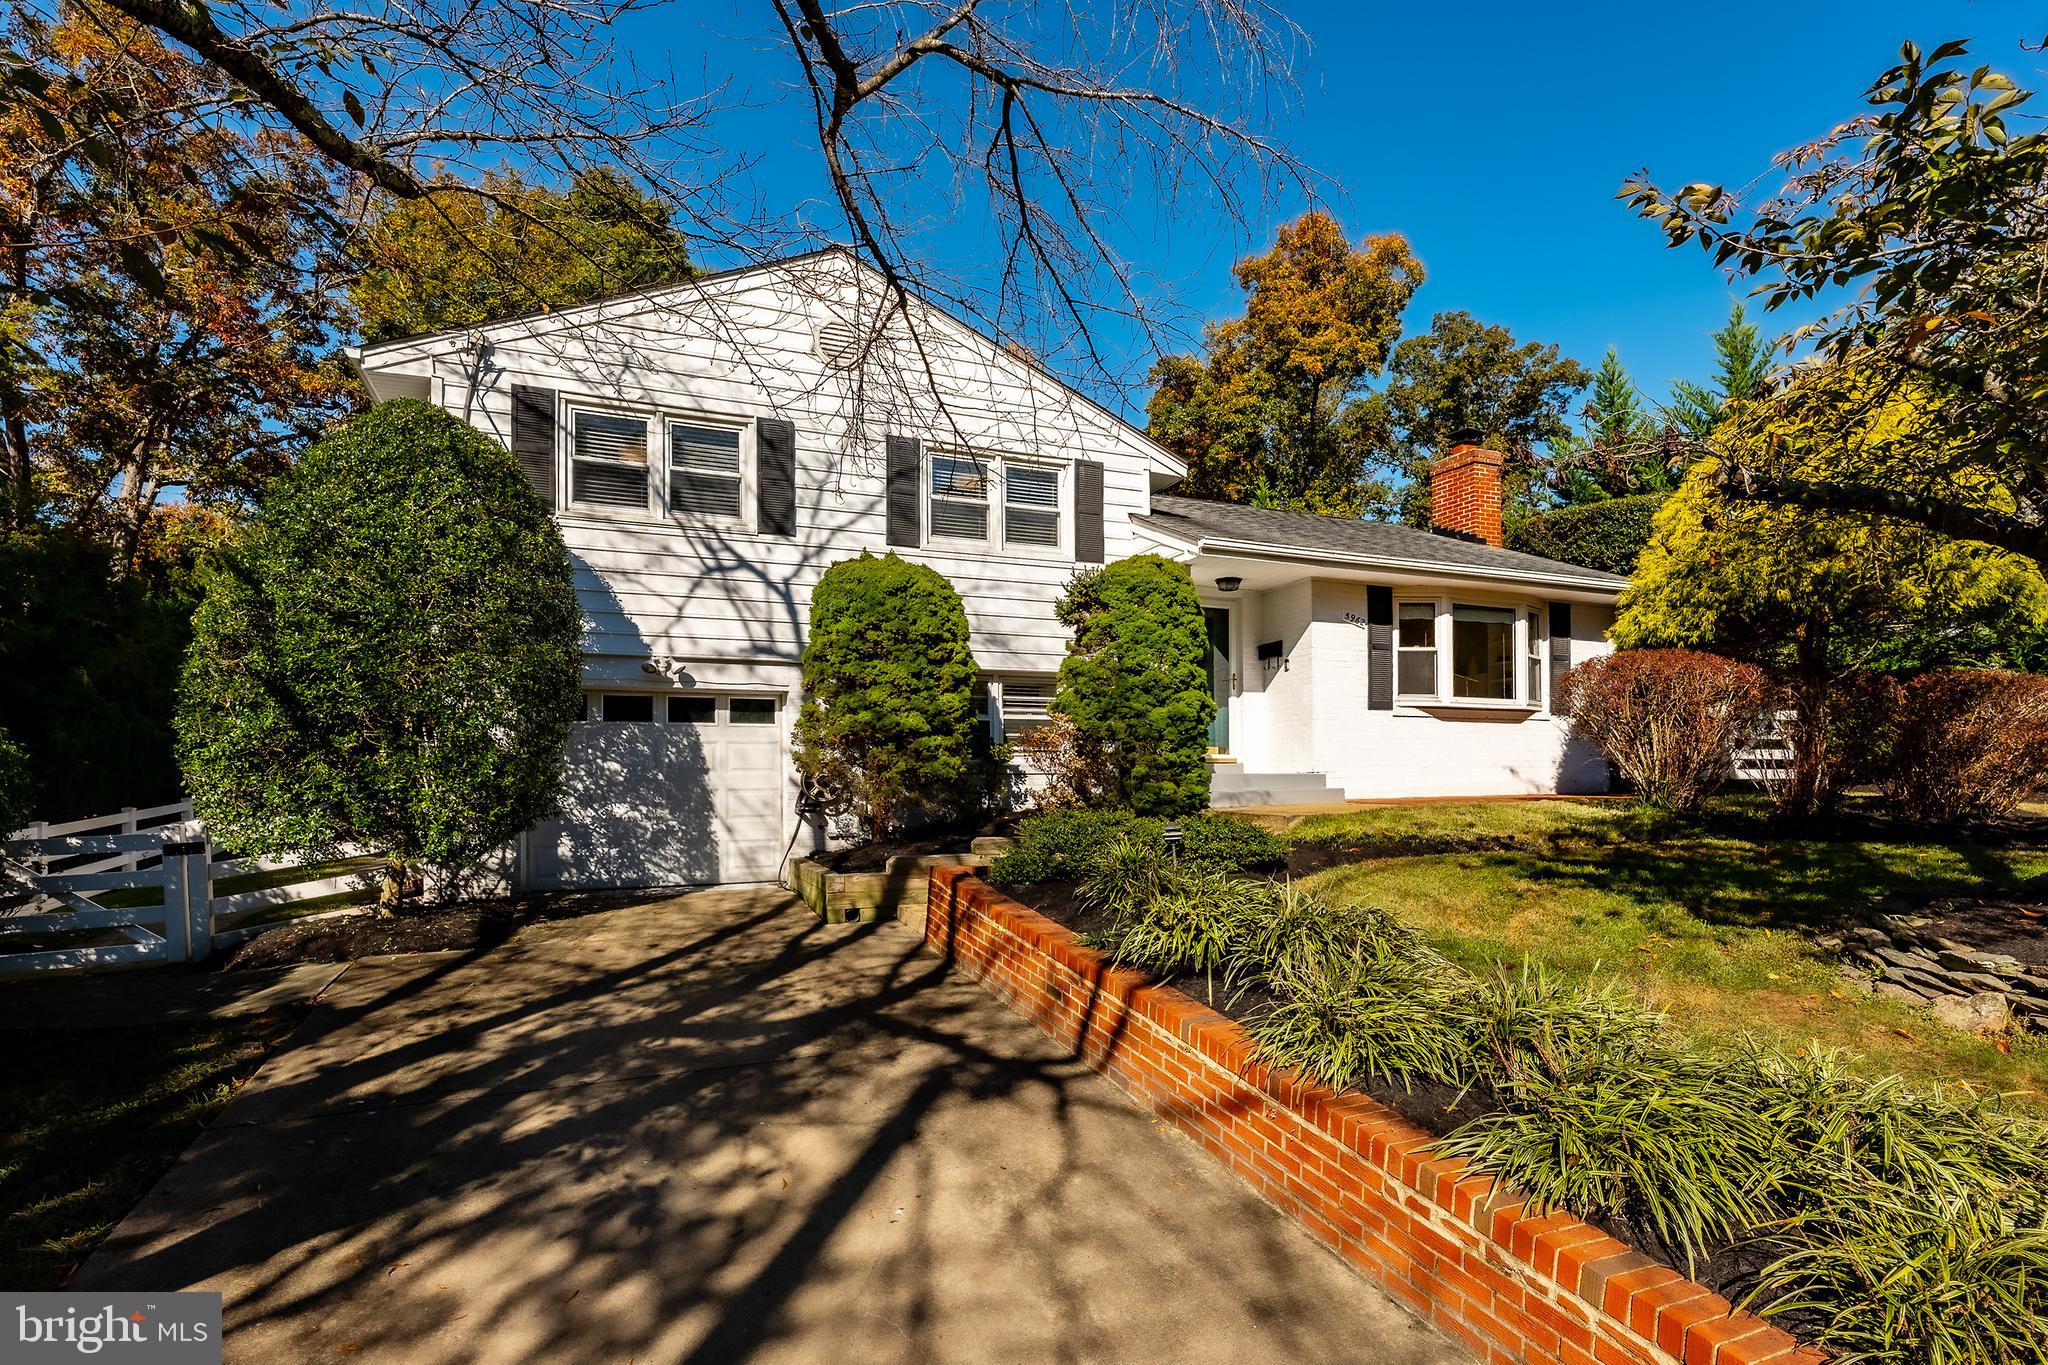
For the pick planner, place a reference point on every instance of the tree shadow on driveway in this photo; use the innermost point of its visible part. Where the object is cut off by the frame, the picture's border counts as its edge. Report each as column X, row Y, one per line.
column 710, row 1129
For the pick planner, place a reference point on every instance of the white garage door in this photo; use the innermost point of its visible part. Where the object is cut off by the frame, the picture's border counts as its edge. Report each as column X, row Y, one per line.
column 667, row 791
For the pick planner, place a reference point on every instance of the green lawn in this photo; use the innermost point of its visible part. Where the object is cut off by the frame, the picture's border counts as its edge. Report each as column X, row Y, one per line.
column 1710, row 921
column 95, row 1116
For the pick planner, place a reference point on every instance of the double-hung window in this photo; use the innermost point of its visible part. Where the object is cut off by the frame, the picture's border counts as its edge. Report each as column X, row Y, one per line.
column 1031, row 505
column 608, row 460
column 1415, row 650
column 704, row 470
column 959, row 498
column 1483, row 652
column 1533, row 646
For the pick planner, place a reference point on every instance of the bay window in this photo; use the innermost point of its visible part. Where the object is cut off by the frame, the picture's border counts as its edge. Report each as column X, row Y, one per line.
column 1448, row 652
column 1483, row 652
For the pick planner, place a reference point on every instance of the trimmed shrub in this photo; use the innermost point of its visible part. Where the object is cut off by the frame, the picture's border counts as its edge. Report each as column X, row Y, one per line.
column 886, row 733
column 389, row 658
column 1068, row 845
column 1135, row 686
column 1608, row 536
column 1966, row 744
column 1670, row 720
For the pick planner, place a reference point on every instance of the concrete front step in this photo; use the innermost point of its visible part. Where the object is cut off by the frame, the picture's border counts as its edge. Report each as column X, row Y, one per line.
column 1230, row 785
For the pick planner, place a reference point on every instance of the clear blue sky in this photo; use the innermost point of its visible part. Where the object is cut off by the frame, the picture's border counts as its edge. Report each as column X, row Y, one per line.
column 1494, row 136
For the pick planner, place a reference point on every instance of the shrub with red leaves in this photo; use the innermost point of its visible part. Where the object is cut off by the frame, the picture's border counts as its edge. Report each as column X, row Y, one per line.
column 1966, row 744
column 1669, row 720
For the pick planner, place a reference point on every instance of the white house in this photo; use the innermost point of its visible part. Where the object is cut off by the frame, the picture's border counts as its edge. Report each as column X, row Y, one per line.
column 710, row 448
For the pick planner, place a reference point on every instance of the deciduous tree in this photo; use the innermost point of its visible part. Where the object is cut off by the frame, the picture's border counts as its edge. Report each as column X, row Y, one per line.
column 1815, row 597
column 1037, row 121
column 467, row 254
column 168, row 322
column 1930, row 208
column 1269, row 414
column 389, row 658
column 1465, row 374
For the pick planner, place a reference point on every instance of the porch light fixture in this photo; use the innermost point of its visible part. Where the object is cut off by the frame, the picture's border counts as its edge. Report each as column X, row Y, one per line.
column 1231, row 584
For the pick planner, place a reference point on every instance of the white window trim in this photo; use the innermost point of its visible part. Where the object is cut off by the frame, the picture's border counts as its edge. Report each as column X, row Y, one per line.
column 658, row 420
column 1441, row 699
column 997, row 540
column 1437, row 647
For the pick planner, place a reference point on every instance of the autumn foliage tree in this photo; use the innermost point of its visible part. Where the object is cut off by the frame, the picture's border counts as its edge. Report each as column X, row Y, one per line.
column 1270, row 412
column 168, row 315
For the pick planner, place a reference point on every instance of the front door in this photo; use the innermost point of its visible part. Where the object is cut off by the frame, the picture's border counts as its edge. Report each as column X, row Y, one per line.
column 1221, row 672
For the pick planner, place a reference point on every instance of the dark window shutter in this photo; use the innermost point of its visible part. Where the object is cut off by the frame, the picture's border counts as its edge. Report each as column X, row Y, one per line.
column 775, row 465
column 1379, row 648
column 906, row 468
column 1560, row 646
column 1087, row 512
column 533, row 437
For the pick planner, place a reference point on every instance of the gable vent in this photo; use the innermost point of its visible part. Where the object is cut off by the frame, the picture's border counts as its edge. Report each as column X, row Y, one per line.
column 838, row 343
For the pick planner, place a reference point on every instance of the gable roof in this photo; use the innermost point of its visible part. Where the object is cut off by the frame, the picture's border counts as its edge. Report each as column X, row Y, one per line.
column 658, row 295
column 1220, row 527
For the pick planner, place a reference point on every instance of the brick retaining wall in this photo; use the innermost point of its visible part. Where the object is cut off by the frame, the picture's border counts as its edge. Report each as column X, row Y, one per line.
column 1514, row 1285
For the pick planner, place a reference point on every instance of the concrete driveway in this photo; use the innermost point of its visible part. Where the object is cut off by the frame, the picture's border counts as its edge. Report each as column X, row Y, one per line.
column 707, row 1128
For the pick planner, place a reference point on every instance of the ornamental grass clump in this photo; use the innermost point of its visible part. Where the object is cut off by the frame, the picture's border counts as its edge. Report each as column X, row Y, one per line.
column 1376, row 1014
column 1602, row 1116
column 1917, row 1223
column 1174, row 921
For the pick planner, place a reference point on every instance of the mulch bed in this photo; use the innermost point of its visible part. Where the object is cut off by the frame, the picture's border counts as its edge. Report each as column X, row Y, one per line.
column 2018, row 928
column 1436, row 1108
column 468, row 926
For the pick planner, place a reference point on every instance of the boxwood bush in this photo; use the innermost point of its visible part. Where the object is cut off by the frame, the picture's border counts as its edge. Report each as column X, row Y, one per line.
column 1067, row 845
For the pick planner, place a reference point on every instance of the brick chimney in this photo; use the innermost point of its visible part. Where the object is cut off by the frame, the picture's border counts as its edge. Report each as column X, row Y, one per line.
column 1464, row 490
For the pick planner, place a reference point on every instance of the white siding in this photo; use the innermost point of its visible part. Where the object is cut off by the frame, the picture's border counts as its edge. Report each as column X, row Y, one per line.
column 656, row 585
column 1311, row 715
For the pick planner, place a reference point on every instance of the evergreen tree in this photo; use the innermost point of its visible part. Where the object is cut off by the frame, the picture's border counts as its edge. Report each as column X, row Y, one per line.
column 886, row 733
column 1742, row 363
column 1134, row 684
column 1619, row 453
column 388, row 657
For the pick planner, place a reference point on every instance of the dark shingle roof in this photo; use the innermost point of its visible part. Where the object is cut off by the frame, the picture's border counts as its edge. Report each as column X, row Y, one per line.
column 1300, row 533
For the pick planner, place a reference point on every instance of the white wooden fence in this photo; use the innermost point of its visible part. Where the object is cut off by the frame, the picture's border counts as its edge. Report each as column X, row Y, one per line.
column 150, row 887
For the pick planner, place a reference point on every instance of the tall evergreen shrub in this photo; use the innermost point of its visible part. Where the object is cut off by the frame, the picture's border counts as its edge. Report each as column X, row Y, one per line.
column 887, row 730
column 389, row 658
column 1135, row 686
